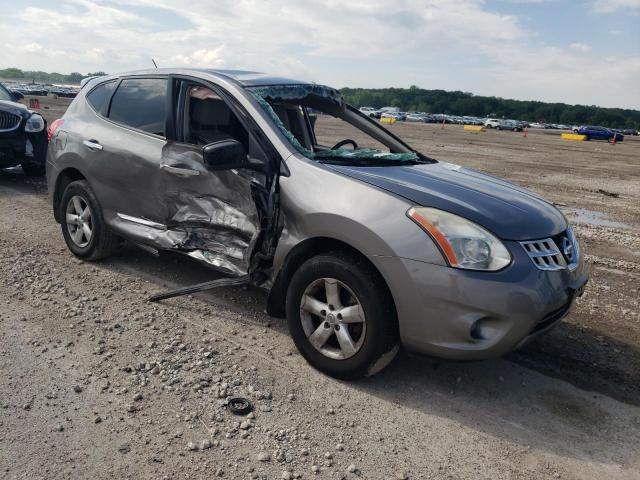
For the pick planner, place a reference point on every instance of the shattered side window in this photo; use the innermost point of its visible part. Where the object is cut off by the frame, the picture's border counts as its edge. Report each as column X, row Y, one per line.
column 333, row 124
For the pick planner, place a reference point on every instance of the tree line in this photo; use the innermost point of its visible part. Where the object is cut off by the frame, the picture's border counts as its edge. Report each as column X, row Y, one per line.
column 432, row 101
column 463, row 103
column 45, row 77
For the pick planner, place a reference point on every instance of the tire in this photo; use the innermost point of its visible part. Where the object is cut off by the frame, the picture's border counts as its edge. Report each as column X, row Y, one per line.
column 101, row 242
column 498, row 128
column 374, row 340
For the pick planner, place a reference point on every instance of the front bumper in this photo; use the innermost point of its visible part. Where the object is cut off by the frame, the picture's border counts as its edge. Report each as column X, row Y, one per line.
column 465, row 315
column 12, row 148
column 19, row 147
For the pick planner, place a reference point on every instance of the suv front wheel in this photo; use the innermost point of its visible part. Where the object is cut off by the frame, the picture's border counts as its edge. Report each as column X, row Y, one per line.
column 341, row 316
column 83, row 226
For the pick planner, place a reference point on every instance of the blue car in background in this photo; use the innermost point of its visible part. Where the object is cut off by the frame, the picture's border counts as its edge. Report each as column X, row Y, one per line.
column 600, row 133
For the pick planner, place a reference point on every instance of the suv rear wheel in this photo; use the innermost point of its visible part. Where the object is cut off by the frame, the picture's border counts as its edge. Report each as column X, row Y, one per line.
column 341, row 316
column 83, row 227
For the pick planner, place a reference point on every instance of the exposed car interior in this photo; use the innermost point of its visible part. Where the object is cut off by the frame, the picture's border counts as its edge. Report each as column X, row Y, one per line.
column 293, row 119
column 209, row 119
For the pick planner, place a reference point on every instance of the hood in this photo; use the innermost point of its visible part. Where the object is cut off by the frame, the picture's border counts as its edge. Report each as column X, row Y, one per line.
column 508, row 211
column 15, row 108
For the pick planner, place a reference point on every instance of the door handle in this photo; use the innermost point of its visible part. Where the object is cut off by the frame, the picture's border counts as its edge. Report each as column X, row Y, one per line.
column 187, row 172
column 92, row 145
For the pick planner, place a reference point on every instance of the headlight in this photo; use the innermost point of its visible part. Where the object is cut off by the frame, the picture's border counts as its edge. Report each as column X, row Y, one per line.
column 35, row 123
column 463, row 243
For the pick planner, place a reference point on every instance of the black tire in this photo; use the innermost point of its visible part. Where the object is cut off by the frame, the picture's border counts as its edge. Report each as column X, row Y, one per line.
column 380, row 344
column 103, row 242
column 498, row 128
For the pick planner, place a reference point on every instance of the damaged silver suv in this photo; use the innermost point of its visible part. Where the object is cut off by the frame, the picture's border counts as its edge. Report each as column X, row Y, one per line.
column 362, row 243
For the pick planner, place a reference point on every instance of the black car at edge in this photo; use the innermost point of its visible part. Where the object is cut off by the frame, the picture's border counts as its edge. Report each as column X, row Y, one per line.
column 23, row 135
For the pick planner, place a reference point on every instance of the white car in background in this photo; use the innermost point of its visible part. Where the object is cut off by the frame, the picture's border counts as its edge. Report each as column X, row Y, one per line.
column 370, row 112
column 492, row 122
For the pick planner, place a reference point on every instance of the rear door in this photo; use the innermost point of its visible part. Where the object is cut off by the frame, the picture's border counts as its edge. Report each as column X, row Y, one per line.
column 125, row 147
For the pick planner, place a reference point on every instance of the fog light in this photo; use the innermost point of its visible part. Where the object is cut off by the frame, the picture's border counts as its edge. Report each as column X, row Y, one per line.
column 485, row 328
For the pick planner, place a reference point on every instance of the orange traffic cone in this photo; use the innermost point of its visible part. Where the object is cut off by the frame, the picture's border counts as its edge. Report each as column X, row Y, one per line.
column 34, row 103
column 442, row 128
column 614, row 139
column 525, row 132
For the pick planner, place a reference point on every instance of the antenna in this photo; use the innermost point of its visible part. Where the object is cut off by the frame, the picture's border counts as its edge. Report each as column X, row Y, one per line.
column 154, row 63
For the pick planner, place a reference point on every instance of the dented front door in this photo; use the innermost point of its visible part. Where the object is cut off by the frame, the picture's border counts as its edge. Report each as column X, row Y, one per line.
column 210, row 215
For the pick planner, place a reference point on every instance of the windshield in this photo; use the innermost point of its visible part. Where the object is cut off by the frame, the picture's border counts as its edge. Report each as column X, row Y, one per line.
column 5, row 94
column 318, row 124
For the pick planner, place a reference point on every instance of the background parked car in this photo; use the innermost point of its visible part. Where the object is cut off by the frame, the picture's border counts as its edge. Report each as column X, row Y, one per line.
column 401, row 117
column 600, row 133
column 492, row 122
column 370, row 112
column 509, row 125
column 415, row 117
column 23, row 135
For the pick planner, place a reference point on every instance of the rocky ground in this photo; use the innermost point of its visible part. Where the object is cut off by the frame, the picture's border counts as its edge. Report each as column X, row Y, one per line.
column 97, row 382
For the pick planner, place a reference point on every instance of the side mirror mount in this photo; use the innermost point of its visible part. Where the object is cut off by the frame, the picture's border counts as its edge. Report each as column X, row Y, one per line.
column 225, row 155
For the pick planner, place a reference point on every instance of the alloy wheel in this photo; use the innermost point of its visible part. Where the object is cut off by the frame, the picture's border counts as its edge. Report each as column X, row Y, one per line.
column 79, row 221
column 333, row 318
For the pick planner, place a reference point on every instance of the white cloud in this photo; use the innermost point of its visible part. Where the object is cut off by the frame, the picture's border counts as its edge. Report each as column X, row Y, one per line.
column 611, row 6
column 449, row 44
column 203, row 57
column 580, row 47
column 32, row 47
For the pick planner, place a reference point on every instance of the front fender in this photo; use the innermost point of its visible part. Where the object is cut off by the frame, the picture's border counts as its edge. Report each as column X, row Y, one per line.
column 320, row 202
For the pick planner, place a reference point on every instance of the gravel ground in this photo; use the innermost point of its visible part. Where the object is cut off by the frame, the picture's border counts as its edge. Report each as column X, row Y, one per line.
column 99, row 383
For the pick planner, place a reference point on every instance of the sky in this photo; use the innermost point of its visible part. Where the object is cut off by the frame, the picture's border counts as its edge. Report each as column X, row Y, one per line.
column 578, row 52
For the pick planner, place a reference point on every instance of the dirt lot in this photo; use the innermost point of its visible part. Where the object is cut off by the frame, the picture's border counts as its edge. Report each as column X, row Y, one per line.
column 99, row 383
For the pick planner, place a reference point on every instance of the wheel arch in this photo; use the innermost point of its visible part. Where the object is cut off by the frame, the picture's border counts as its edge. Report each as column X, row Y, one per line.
column 65, row 177
column 303, row 251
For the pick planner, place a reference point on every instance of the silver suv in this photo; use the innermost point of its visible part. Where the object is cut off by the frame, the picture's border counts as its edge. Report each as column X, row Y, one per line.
column 361, row 242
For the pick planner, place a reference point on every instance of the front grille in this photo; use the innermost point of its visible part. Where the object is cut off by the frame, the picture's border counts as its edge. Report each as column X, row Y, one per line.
column 555, row 253
column 9, row 121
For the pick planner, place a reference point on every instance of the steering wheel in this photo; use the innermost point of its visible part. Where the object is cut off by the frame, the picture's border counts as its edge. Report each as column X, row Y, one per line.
column 346, row 141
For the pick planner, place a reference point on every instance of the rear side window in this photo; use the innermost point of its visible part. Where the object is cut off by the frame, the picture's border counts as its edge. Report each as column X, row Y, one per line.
column 98, row 98
column 141, row 103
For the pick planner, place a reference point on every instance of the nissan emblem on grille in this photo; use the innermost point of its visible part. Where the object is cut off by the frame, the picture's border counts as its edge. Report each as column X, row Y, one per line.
column 549, row 254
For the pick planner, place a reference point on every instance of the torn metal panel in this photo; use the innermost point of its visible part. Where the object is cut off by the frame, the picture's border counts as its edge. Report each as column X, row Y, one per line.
column 316, row 96
column 209, row 215
column 215, row 210
column 221, row 282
